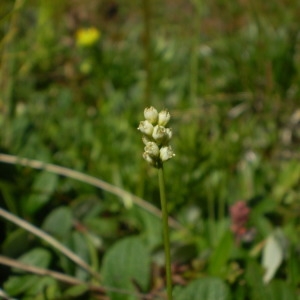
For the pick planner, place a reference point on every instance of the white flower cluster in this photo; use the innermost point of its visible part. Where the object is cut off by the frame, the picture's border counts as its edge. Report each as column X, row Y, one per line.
column 156, row 137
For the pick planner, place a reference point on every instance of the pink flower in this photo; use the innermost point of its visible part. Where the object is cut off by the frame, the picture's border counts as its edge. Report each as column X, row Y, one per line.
column 239, row 214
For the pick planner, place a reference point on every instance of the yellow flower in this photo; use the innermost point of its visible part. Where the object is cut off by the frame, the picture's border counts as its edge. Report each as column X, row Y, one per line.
column 86, row 37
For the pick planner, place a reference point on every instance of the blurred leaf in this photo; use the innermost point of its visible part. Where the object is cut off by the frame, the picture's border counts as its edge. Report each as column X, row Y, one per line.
column 272, row 257
column 45, row 288
column 124, row 262
column 151, row 226
column 16, row 243
column 221, row 255
column 184, row 253
column 35, row 287
column 37, row 257
column 80, row 247
column 205, row 288
column 253, row 276
column 59, row 222
column 288, row 178
column 76, row 291
column 43, row 187
column 293, row 267
column 105, row 227
column 280, row 290
column 16, row 285
column 78, row 243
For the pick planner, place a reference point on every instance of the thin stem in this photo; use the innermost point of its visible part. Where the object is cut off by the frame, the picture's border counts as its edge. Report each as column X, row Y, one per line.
column 166, row 237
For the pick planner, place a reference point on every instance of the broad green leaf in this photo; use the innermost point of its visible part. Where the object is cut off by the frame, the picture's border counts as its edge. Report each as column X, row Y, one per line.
column 16, row 285
column 58, row 222
column 43, row 288
column 272, row 257
column 209, row 288
column 43, row 187
column 35, row 287
column 37, row 257
column 126, row 261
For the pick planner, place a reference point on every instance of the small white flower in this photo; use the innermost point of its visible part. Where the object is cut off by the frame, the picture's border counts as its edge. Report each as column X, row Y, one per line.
column 163, row 118
column 168, row 135
column 151, row 114
column 149, row 159
column 146, row 139
column 152, row 149
column 146, row 127
column 159, row 133
column 166, row 153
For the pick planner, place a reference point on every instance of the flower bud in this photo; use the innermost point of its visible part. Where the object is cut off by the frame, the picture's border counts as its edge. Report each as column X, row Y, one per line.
column 152, row 149
column 166, row 153
column 149, row 159
column 163, row 118
column 146, row 127
column 151, row 114
column 159, row 133
column 168, row 135
column 146, row 139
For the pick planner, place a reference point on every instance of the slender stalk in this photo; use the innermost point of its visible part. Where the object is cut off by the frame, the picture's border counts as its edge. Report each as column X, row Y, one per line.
column 166, row 237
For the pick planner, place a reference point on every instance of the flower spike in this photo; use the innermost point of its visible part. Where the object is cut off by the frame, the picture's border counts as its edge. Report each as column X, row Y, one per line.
column 156, row 136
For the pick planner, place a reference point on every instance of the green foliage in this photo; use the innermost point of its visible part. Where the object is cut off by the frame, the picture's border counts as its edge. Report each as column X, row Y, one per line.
column 126, row 262
column 229, row 75
column 205, row 288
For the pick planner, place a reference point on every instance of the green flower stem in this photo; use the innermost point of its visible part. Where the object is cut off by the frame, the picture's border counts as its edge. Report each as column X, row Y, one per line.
column 165, row 231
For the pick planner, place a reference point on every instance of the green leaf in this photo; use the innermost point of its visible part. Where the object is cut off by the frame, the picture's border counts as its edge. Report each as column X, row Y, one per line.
column 220, row 256
column 16, row 285
column 43, row 288
column 37, row 257
column 80, row 247
column 16, row 243
column 58, row 222
column 35, row 287
column 209, row 288
column 288, row 177
column 76, row 291
column 126, row 261
column 280, row 290
column 105, row 227
column 78, row 243
column 272, row 257
column 151, row 226
column 43, row 187
column 254, row 280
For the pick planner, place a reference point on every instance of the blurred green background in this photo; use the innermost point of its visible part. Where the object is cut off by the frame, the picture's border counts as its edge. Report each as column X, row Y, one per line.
column 75, row 77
